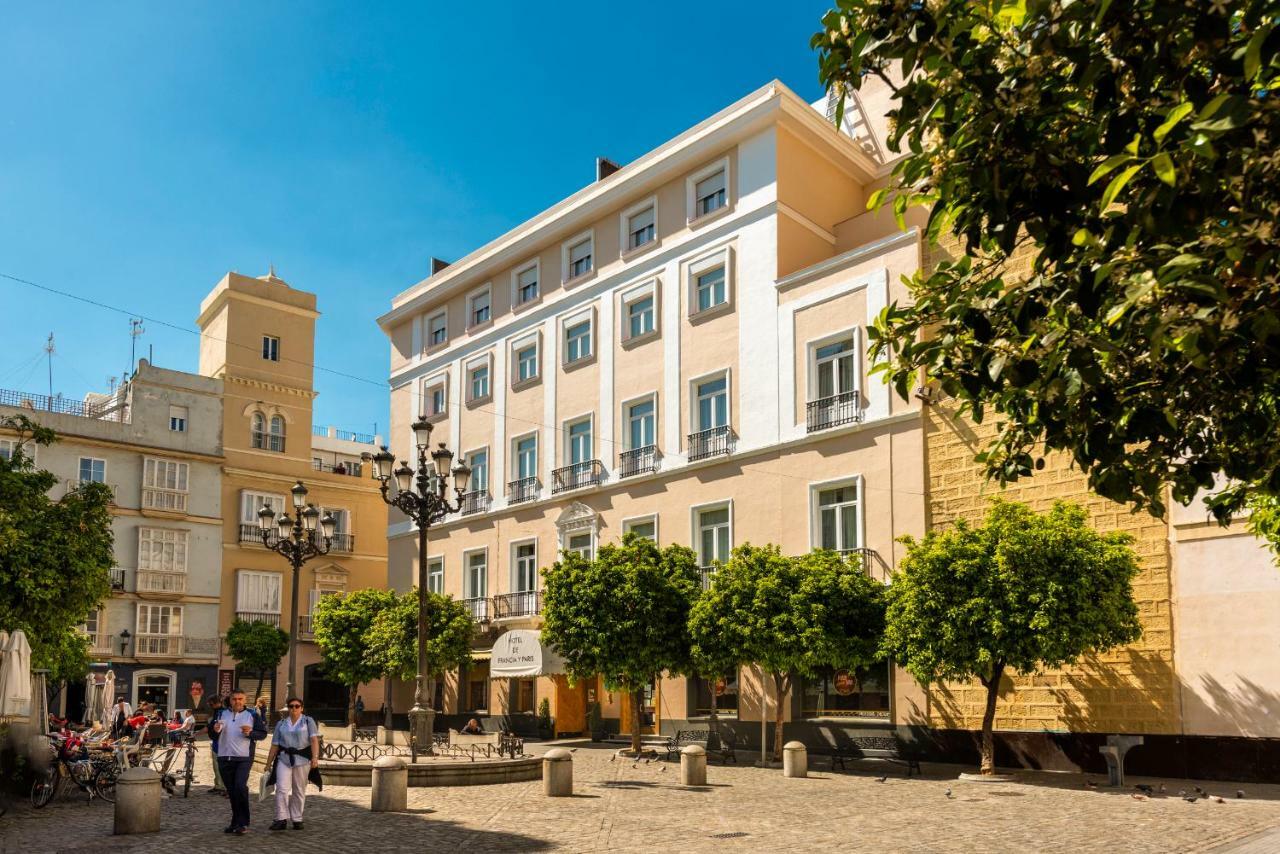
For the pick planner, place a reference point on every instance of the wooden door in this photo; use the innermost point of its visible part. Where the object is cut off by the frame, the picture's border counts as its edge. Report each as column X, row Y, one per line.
column 571, row 706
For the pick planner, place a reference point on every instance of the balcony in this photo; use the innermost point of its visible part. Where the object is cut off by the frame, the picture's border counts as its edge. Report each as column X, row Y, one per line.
column 171, row 583
column 99, row 407
column 259, row 617
column 157, row 646
column 872, row 564
column 99, row 643
column 252, row 535
column 306, row 628
column 577, row 476
column 639, row 461
column 264, row 441
column 479, row 608
column 344, row 435
column 832, row 411
column 476, row 501
column 522, row 490
column 349, row 469
column 75, row 483
column 170, row 500
column 706, row 574
column 117, row 579
column 526, row 603
column 714, row 442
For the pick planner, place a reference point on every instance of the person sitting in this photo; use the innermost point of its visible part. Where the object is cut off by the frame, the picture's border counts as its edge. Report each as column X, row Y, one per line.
column 473, row 728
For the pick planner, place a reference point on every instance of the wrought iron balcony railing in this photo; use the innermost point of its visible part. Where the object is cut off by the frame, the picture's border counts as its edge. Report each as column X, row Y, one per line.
column 713, row 442
column 476, row 501
column 638, row 461
column 479, row 608
column 872, row 564
column 522, row 490
column 117, row 578
column 259, row 617
column 526, row 603
column 349, row 469
column 706, row 574
column 577, row 476
column 832, row 411
column 306, row 628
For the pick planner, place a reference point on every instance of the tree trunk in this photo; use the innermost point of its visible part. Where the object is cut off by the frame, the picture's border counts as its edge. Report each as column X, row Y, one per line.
column 637, row 719
column 351, row 704
column 262, row 679
column 386, row 702
column 989, row 718
column 715, row 720
column 782, row 687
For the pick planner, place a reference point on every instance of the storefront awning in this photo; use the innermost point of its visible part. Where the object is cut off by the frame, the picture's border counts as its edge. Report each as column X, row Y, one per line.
column 480, row 655
column 518, row 654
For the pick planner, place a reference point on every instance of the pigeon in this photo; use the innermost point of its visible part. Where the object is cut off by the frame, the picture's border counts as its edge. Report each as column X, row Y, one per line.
column 635, row 764
column 663, row 768
column 1200, row 791
column 1182, row 793
column 611, row 758
column 647, row 761
column 1089, row 784
column 1191, row 799
column 948, row 792
column 1219, row 800
column 1138, row 797
column 882, row 779
column 573, row 750
column 1145, row 789
column 1239, row 794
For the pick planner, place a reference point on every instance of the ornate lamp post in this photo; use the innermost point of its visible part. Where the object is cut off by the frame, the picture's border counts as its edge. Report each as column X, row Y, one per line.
column 422, row 495
column 296, row 540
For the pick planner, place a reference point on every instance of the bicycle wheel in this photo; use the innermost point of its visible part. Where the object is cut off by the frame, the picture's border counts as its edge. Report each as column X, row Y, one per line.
column 188, row 770
column 104, row 782
column 44, row 787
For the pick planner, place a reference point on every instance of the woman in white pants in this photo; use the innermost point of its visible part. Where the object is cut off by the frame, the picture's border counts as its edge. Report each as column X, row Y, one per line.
column 297, row 743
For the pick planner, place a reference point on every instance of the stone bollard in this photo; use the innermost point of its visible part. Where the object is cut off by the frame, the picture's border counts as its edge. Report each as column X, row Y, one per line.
column 693, row 766
column 557, row 773
column 390, row 789
column 795, row 760
column 137, row 802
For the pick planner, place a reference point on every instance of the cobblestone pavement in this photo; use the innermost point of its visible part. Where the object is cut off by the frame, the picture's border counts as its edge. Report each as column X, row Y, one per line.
column 621, row 806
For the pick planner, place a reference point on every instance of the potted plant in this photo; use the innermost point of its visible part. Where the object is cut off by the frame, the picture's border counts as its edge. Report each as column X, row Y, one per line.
column 546, row 726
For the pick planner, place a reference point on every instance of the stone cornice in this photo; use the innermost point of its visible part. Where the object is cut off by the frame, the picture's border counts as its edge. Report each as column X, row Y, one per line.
column 309, row 394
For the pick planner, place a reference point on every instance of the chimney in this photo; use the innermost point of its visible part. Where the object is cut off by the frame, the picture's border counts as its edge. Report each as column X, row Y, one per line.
column 437, row 265
column 605, row 167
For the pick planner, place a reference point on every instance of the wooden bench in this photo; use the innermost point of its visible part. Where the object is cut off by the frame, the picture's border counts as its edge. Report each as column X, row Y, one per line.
column 711, row 742
column 869, row 747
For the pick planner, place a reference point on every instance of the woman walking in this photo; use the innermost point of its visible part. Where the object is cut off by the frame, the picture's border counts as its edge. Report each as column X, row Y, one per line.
column 297, row 744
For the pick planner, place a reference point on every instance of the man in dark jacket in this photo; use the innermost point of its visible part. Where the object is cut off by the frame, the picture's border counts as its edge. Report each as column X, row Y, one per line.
column 238, row 729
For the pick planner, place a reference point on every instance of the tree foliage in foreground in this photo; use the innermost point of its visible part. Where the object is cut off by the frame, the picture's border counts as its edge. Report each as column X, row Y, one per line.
column 792, row 616
column 623, row 615
column 1018, row 593
column 259, row 647
column 342, row 624
column 393, row 638
column 55, row 555
column 1133, row 149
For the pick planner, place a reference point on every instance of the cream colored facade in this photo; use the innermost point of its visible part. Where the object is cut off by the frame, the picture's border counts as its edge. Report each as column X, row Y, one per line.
column 705, row 382
column 258, row 337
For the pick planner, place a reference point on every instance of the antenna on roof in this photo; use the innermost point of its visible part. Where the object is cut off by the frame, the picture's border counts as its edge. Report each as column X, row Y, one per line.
column 135, row 330
column 49, row 350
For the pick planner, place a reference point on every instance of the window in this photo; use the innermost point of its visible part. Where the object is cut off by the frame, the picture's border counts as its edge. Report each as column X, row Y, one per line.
column 581, row 544
column 526, row 359
column 713, row 535
column 341, row 519
column 438, row 329
column 640, row 424
column 275, row 442
column 833, row 368
column 640, row 317
column 712, row 403
column 479, row 307
column 162, row 550
column 478, row 383
column 164, row 484
column 435, row 400
column 726, row 694
column 435, row 575
column 270, row 348
column 709, row 289
column 526, row 285
column 477, row 575
column 479, row 463
column 578, row 258
column 577, row 341
column 258, row 430
column 523, row 700
column 640, row 228
column 526, row 568
column 252, row 502
column 159, row 620
column 93, row 623
column 315, row 594
column 93, row 470
column 709, row 194
column 646, row 527
column 861, row 692
column 837, row 521
column 257, row 593
column 178, row 419
column 579, row 442
column 527, row 457
column 7, row 448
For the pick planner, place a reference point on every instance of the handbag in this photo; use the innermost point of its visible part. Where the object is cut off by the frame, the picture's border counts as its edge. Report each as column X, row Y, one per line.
column 267, row 782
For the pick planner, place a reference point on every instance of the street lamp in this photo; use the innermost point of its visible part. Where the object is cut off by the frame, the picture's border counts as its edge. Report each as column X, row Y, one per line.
column 422, row 495
column 295, row 538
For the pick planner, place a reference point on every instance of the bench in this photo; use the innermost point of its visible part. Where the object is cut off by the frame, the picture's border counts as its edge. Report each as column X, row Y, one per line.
column 1117, row 746
column 870, row 747
column 708, row 740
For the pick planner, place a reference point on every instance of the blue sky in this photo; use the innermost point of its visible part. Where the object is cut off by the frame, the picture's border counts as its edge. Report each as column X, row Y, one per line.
column 145, row 149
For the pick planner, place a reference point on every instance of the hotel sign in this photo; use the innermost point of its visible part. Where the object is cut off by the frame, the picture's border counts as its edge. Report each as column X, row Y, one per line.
column 518, row 654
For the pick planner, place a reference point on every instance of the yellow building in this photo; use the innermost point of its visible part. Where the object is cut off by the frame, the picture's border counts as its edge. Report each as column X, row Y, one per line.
column 258, row 337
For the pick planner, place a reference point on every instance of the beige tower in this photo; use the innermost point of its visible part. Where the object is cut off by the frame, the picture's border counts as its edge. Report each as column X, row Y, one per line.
column 258, row 336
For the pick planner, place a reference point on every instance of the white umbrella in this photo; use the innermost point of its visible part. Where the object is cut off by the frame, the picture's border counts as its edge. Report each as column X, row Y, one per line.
column 39, row 701
column 15, row 677
column 108, row 699
column 4, row 664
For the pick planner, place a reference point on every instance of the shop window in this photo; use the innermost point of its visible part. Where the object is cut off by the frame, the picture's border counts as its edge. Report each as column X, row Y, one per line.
column 861, row 692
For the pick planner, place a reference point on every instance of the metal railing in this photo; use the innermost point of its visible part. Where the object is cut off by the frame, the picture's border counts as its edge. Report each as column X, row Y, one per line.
column 147, row 581
column 526, row 603
column 832, row 411
column 258, row 617
column 706, row 574
column 164, row 499
column 117, row 578
column 479, row 608
column 75, row 483
column 115, row 405
column 576, row 476
column 638, row 461
column 99, row 643
column 872, row 564
column 713, row 442
column 306, row 628
column 250, row 534
column 265, row 441
column 350, row 469
column 522, row 490
column 342, row 542
column 153, row 646
column 476, row 501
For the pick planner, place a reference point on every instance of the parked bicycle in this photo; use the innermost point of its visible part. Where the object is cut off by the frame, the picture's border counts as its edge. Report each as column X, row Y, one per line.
column 176, row 765
column 70, row 763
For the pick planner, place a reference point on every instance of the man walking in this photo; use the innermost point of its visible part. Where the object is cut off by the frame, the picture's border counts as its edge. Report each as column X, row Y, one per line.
column 238, row 730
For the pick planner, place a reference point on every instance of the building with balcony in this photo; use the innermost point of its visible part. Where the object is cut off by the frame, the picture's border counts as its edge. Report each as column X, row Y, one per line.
column 677, row 350
column 156, row 442
column 258, row 340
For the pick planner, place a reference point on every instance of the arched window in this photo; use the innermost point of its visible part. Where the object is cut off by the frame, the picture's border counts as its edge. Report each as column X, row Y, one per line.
column 258, row 430
column 277, row 433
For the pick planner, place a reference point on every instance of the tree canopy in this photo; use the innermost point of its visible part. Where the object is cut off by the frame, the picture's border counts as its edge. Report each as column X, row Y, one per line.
column 1129, row 150
column 793, row 616
column 55, row 555
column 342, row 625
column 257, row 646
column 393, row 636
column 623, row 615
column 1021, row 592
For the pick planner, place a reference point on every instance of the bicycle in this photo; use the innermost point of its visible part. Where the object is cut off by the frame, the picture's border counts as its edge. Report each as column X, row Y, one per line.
column 163, row 762
column 69, row 761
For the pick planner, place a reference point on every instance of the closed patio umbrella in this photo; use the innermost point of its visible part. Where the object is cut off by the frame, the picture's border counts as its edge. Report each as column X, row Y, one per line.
column 15, row 677
column 39, row 701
